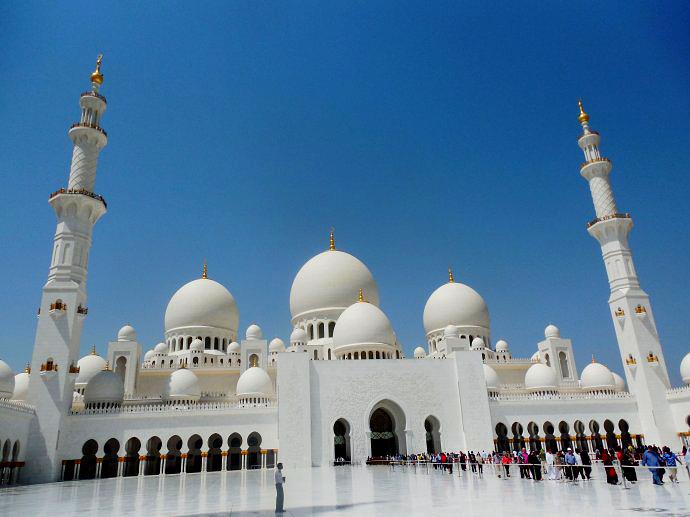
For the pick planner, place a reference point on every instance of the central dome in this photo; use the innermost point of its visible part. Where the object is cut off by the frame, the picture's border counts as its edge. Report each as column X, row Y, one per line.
column 330, row 281
column 202, row 303
column 363, row 324
column 455, row 304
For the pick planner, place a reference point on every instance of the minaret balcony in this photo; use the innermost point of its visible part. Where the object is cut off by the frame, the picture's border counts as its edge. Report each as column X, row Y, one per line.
column 93, row 94
column 90, row 126
column 79, row 191
column 73, row 370
column 83, row 131
column 57, row 310
column 641, row 311
column 49, row 369
column 607, row 218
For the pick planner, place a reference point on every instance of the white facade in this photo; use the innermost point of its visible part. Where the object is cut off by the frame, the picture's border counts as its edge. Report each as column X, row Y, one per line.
column 201, row 400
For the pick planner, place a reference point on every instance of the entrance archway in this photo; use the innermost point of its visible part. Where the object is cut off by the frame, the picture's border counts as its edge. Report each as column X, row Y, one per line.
column 387, row 426
column 433, row 435
column 341, row 441
column 254, row 451
column 131, row 467
column 173, row 463
column 153, row 456
column 502, row 444
column 215, row 458
column 235, row 452
column 87, row 469
column 194, row 454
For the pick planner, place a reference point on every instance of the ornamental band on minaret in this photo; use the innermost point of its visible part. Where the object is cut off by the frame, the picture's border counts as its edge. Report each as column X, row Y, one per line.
column 63, row 303
column 631, row 310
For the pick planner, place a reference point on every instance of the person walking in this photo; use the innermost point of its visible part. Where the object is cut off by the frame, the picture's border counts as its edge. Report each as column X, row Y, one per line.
column 506, row 463
column 651, row 460
column 550, row 465
column 280, row 480
column 671, row 461
column 570, row 464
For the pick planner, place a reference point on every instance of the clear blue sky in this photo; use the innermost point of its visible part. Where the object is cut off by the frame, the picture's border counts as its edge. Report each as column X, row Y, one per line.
column 426, row 133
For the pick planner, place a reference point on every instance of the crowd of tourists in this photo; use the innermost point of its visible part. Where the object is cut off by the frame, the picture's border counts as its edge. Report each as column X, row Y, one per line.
column 565, row 465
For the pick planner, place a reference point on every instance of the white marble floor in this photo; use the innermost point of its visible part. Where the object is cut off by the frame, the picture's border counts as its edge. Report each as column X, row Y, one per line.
column 354, row 491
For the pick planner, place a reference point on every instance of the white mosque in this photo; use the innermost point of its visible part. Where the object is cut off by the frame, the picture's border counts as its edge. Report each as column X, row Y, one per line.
column 209, row 399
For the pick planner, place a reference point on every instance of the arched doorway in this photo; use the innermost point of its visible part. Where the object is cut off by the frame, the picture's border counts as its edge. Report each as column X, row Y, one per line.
column 611, row 440
column 432, row 428
column 173, row 463
column 214, row 462
column 87, row 469
column 131, row 467
column 564, row 429
column 502, row 444
column 153, row 456
column 626, row 439
column 341, row 441
column 518, row 439
column 194, row 454
column 387, row 429
column 235, row 452
column 580, row 438
column 121, row 367
column 534, row 441
column 254, row 451
column 596, row 437
column 549, row 438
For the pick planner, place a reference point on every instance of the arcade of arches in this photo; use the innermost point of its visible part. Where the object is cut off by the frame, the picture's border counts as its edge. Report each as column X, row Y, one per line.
column 175, row 456
column 9, row 464
column 560, row 436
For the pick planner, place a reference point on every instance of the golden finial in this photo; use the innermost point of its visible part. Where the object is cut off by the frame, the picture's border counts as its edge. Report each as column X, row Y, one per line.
column 361, row 294
column 97, row 76
column 450, row 275
column 204, row 271
column 583, row 116
column 332, row 241
column 107, row 366
column 27, row 368
column 593, row 360
column 93, row 349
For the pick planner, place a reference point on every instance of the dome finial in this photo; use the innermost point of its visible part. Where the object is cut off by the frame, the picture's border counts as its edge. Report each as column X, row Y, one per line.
column 93, row 349
column 450, row 275
column 593, row 360
column 27, row 368
column 583, row 116
column 106, row 368
column 204, row 271
column 331, row 245
column 361, row 294
column 97, row 76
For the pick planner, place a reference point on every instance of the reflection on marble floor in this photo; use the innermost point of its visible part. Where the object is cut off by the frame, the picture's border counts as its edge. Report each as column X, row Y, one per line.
column 343, row 490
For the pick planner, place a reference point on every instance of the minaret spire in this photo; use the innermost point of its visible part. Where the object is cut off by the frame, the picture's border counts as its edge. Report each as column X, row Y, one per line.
column 331, row 245
column 204, row 271
column 450, row 275
column 63, row 303
column 630, row 307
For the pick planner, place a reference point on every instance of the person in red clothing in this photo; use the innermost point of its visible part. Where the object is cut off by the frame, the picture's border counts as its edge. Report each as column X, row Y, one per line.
column 506, row 463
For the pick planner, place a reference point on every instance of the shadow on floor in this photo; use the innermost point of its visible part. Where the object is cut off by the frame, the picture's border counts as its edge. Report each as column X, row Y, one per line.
column 289, row 512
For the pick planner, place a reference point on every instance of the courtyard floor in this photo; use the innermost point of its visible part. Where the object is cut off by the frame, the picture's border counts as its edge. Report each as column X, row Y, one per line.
column 353, row 491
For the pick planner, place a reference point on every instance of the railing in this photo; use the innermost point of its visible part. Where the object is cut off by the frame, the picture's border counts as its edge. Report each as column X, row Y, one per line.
column 590, row 132
column 93, row 94
column 606, row 218
column 500, row 397
column 81, row 191
column 170, row 407
column 91, row 126
column 16, row 405
column 594, row 160
column 680, row 392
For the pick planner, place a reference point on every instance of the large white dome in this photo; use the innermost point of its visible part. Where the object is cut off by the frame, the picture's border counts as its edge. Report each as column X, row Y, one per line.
column 183, row 384
column 363, row 324
column 202, row 303
column 254, row 382
column 105, row 386
column 89, row 366
column 21, row 386
column 596, row 376
column 540, row 377
column 330, row 281
column 455, row 304
column 6, row 381
column 685, row 369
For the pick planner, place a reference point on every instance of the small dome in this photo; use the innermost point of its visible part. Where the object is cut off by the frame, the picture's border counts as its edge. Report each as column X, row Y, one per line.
column 6, row 381
column 536, row 356
column 491, row 377
column 477, row 344
column 254, row 332
column 685, row 369
column 597, row 376
column 363, row 323
column 160, row 348
column 197, row 345
column 502, row 346
column 21, row 386
column 276, row 345
column 254, row 382
column 202, row 303
column 419, row 353
column 127, row 333
column 451, row 331
column 551, row 331
column 540, row 377
column 330, row 281
column 620, row 381
column 149, row 355
column 106, row 386
column 234, row 348
column 455, row 304
column 298, row 335
column 89, row 366
column 183, row 385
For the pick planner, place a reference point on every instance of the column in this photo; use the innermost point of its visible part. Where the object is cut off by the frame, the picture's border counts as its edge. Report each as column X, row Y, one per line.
column 120, row 465
column 142, row 465
column 99, row 462
column 243, row 460
column 224, row 457
column 263, row 458
column 77, row 468
column 183, row 468
column 163, row 460
column 204, row 461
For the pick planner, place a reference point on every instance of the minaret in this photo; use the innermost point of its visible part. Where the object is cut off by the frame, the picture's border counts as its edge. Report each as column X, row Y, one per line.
column 63, row 303
column 631, row 310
